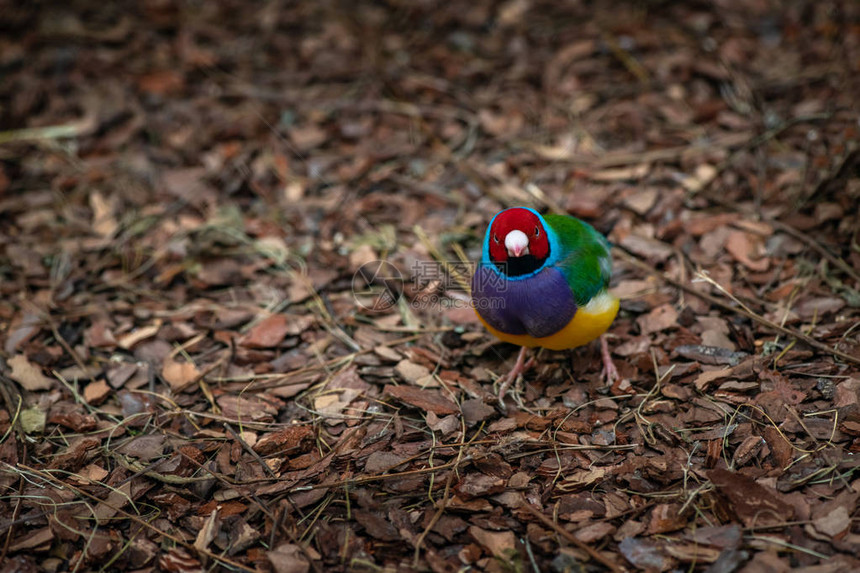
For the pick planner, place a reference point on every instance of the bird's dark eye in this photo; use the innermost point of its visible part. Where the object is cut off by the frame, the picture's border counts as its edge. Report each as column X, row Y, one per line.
column 496, row 239
column 537, row 231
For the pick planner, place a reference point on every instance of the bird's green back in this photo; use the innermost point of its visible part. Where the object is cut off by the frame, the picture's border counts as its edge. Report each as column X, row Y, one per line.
column 585, row 261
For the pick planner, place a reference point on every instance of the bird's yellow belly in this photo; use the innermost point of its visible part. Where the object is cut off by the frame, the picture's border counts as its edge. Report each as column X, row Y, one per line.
column 588, row 323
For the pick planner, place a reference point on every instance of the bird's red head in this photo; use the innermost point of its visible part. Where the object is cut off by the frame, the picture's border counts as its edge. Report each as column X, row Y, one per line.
column 515, row 233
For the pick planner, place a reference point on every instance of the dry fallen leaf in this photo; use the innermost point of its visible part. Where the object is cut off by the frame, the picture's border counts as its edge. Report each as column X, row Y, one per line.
column 28, row 375
column 287, row 440
column 208, row 532
column 652, row 250
column 661, row 318
column 665, row 517
column 32, row 539
column 496, row 543
column 288, row 558
column 24, row 327
column 748, row 249
column 834, row 524
column 430, row 400
column 644, row 554
column 752, row 503
column 104, row 214
column 580, row 479
column 377, row 526
column 633, row 173
column 411, row 372
column 179, row 374
column 131, row 339
column 308, row 137
column 594, row 532
column 642, row 200
column 97, row 392
column 480, row 485
column 33, row 420
column 267, row 333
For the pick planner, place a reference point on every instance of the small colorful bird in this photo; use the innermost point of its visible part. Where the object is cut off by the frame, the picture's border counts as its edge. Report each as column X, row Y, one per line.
column 543, row 281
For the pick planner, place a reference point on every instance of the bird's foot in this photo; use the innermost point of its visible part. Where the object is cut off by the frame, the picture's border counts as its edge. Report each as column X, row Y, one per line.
column 610, row 372
column 511, row 377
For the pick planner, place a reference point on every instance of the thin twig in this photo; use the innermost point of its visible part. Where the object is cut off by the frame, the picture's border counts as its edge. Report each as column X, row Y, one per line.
column 807, row 240
column 264, row 508
column 140, row 521
column 250, row 450
column 440, row 510
column 797, row 234
column 570, row 537
column 628, row 61
column 725, row 306
column 63, row 342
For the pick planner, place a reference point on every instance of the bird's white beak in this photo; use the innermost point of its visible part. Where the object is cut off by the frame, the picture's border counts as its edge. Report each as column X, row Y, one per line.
column 517, row 244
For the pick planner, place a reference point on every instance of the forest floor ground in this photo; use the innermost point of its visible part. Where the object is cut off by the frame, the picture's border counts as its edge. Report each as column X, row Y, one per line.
column 195, row 375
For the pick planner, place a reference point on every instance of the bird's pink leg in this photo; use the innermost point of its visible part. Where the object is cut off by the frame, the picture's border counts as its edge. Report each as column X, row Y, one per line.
column 506, row 380
column 610, row 372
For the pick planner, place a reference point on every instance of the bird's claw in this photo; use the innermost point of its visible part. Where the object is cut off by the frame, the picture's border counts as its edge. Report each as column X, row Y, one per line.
column 511, row 377
column 609, row 372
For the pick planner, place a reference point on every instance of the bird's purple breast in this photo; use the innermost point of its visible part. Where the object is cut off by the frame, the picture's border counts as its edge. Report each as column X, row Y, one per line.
column 539, row 305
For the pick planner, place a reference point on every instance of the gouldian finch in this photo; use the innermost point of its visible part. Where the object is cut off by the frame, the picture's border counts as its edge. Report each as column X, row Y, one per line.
column 543, row 281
